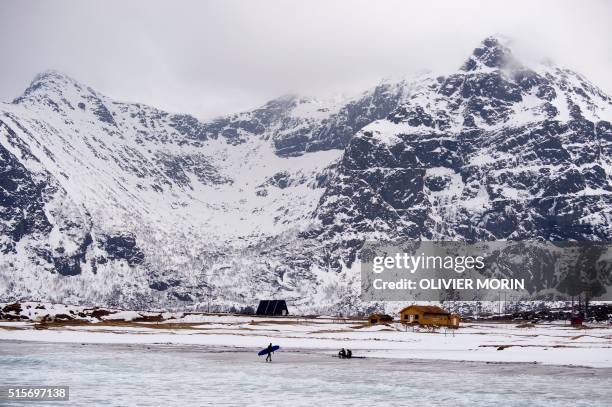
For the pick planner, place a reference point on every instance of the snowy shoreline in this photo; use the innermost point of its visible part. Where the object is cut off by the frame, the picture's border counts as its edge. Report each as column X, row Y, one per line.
column 295, row 354
column 511, row 342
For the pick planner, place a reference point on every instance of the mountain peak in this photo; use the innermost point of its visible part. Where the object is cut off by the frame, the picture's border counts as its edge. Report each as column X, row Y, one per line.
column 48, row 83
column 493, row 52
column 51, row 74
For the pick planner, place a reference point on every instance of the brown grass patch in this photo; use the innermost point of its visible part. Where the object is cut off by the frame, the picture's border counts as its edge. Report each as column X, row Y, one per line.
column 502, row 347
column 12, row 328
column 170, row 325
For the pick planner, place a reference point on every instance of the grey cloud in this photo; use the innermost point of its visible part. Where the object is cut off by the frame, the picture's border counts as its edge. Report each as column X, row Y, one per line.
column 214, row 57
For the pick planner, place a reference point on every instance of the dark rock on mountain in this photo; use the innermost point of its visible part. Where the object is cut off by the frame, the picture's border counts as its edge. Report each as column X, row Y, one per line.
column 22, row 202
column 123, row 246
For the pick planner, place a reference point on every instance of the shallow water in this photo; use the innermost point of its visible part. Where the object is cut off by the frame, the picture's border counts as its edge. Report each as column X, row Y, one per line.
column 163, row 375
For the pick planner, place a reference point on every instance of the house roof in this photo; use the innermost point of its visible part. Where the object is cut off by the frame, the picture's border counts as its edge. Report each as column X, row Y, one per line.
column 271, row 307
column 426, row 309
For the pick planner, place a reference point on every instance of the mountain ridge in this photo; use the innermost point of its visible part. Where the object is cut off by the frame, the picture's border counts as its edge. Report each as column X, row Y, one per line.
column 131, row 205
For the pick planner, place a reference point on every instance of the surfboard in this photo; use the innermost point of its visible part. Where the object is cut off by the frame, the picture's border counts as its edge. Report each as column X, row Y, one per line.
column 265, row 350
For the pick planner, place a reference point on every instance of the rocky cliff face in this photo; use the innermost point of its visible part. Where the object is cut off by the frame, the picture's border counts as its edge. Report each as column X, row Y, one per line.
column 124, row 204
column 496, row 151
column 298, row 125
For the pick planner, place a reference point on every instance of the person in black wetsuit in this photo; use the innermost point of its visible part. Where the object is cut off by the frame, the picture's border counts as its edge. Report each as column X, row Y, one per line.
column 349, row 353
column 342, row 353
column 269, row 357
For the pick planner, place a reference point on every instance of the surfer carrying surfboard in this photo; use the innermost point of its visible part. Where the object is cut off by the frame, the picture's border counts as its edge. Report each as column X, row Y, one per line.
column 268, row 350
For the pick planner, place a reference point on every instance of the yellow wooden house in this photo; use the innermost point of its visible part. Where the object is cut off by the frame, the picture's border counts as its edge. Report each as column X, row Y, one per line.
column 428, row 315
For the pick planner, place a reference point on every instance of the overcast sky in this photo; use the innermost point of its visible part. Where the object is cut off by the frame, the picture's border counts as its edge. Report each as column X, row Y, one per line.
column 214, row 57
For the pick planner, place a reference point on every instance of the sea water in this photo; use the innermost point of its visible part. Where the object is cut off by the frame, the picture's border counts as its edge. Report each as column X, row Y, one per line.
column 167, row 375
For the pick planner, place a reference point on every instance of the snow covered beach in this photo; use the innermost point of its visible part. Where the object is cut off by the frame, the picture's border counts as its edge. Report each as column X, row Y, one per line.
column 544, row 343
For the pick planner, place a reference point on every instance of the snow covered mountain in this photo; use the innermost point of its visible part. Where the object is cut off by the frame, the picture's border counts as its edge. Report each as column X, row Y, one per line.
column 123, row 204
column 495, row 151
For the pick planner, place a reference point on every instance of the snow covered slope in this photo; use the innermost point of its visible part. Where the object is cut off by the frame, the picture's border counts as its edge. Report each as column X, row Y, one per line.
column 105, row 202
column 111, row 202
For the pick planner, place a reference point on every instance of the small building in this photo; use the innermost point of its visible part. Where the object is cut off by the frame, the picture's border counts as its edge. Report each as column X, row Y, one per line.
column 577, row 320
column 376, row 319
column 272, row 308
column 428, row 315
